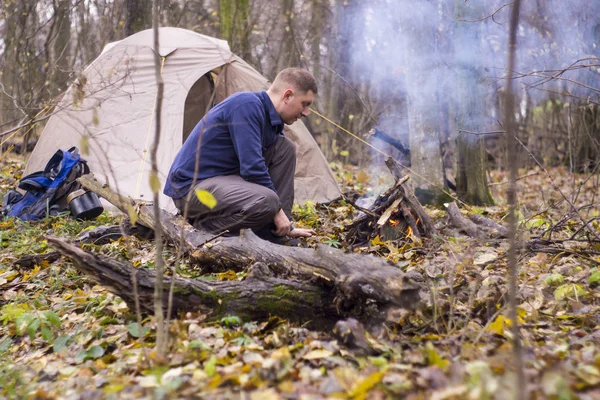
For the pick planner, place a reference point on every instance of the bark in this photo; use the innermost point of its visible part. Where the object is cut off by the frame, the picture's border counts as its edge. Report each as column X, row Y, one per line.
column 354, row 278
column 471, row 178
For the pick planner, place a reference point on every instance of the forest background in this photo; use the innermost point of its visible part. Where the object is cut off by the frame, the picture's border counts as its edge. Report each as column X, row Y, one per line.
column 432, row 75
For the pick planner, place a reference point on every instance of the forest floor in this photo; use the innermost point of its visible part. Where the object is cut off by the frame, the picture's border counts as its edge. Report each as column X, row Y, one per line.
column 62, row 336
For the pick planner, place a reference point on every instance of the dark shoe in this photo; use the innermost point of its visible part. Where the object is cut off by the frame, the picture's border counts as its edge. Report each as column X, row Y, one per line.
column 266, row 234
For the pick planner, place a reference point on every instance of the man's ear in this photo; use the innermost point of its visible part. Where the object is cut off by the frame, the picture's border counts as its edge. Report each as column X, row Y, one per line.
column 287, row 94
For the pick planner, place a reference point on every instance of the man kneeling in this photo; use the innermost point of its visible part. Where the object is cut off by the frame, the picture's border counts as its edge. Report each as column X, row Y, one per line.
column 239, row 154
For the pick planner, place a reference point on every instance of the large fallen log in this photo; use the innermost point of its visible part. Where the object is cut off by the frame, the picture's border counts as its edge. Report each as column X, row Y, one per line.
column 352, row 279
column 257, row 297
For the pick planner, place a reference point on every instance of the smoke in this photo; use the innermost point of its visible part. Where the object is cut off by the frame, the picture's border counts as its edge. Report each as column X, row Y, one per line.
column 452, row 53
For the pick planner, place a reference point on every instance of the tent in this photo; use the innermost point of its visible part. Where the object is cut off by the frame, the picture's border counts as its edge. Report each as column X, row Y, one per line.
column 109, row 111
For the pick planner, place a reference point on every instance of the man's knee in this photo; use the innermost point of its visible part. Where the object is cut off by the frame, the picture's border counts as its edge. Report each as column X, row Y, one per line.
column 264, row 207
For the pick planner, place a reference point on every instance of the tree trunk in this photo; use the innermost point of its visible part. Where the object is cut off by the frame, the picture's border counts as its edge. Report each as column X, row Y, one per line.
column 471, row 179
column 138, row 16
column 234, row 16
column 423, row 121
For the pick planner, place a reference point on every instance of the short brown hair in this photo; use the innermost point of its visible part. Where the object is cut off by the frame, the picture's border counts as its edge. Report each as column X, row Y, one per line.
column 300, row 78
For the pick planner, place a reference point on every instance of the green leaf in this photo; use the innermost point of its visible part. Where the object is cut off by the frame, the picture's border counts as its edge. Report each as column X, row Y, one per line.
column 33, row 327
column 554, row 279
column 206, row 198
column 80, row 356
column 231, row 320
column 95, row 352
column 594, row 278
column 89, row 354
column 154, row 182
column 60, row 343
column 210, row 366
column 135, row 331
column 52, row 318
column 569, row 290
column 535, row 223
column 344, row 153
column 46, row 333
column 23, row 323
column 5, row 344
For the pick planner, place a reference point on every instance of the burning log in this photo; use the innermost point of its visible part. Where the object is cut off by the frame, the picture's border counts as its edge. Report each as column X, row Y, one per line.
column 394, row 215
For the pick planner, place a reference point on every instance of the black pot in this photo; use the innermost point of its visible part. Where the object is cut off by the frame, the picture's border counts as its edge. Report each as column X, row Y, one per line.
column 84, row 204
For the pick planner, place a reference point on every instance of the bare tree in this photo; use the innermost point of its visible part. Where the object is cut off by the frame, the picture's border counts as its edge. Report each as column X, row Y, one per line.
column 161, row 333
column 511, row 131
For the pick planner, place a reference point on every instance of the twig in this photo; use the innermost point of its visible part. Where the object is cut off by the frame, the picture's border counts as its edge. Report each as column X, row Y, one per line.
column 482, row 133
column 359, row 208
column 592, row 230
column 518, row 179
column 487, row 17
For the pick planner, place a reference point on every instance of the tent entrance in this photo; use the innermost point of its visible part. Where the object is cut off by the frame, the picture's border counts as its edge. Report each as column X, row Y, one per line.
column 199, row 100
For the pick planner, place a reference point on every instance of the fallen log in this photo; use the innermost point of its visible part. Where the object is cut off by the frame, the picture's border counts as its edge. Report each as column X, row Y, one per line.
column 354, row 279
column 476, row 226
column 257, row 297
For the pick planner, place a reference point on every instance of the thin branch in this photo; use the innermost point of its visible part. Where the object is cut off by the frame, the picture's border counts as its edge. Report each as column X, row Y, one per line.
column 492, row 15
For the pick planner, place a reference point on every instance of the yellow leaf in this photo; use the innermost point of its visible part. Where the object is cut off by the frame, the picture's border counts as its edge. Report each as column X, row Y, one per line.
column 434, row 358
column 366, row 384
column 499, row 325
column 84, row 145
column 362, row 177
column 154, row 182
column 206, row 198
column 377, row 241
column 133, row 216
column 227, row 276
column 317, row 354
column 344, row 153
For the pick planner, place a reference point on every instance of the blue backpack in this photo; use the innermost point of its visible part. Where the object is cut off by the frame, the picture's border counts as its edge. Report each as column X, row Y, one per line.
column 46, row 191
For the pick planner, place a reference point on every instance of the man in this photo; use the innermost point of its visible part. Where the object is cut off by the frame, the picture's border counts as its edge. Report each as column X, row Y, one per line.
column 239, row 154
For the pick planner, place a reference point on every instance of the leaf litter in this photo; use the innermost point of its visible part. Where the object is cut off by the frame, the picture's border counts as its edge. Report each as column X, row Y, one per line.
column 63, row 336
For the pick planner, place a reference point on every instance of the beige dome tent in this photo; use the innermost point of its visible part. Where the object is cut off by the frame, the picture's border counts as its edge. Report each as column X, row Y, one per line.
column 110, row 111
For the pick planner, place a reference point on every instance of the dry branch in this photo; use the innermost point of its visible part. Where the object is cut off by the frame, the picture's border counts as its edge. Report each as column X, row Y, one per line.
column 463, row 223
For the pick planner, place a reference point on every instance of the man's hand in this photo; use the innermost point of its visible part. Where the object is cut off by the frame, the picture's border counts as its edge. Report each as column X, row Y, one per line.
column 282, row 224
column 299, row 232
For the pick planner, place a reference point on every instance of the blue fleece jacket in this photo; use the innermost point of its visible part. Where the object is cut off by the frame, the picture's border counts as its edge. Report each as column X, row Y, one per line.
column 233, row 134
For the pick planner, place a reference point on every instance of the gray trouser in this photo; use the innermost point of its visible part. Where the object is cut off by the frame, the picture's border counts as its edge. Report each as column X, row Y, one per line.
column 241, row 204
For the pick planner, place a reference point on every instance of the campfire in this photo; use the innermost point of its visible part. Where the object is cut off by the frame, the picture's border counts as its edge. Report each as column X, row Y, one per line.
column 395, row 215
